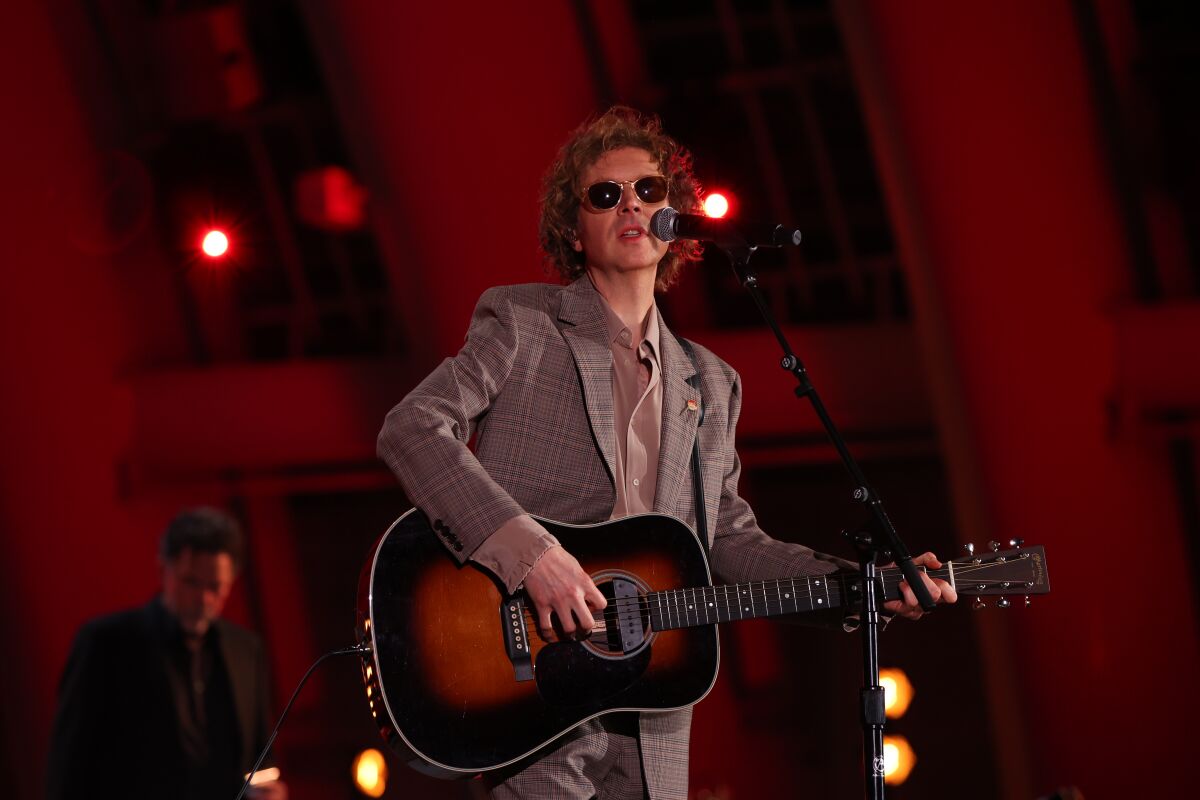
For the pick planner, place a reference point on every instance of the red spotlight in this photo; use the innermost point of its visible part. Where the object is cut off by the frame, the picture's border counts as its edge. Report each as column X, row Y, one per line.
column 215, row 244
column 716, row 205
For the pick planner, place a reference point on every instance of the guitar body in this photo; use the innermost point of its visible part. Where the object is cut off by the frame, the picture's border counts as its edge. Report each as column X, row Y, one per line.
column 459, row 679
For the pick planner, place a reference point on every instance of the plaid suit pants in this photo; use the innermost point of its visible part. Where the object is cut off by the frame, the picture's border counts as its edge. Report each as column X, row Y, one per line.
column 601, row 759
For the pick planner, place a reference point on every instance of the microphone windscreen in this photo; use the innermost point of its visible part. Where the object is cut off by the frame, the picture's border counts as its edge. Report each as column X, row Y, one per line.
column 662, row 224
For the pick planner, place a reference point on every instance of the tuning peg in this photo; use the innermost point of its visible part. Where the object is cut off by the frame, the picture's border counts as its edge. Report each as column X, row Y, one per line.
column 994, row 545
column 970, row 548
column 1027, row 601
column 1016, row 543
column 1003, row 603
column 978, row 603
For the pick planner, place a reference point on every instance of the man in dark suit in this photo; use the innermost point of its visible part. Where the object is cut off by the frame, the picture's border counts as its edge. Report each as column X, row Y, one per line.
column 167, row 700
column 583, row 406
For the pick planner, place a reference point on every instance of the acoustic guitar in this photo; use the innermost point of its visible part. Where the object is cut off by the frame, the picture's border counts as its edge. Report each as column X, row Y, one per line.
column 460, row 681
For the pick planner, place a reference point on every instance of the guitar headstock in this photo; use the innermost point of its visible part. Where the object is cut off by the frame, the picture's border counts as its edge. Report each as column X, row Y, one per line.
column 1019, row 570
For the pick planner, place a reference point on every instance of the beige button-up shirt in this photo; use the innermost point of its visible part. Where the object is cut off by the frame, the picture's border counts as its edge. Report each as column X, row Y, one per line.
column 515, row 547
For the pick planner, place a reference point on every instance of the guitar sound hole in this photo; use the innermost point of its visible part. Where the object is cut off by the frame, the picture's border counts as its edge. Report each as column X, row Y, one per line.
column 625, row 629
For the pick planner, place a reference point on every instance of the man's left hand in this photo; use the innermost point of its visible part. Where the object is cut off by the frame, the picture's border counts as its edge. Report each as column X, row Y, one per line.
column 271, row 790
column 939, row 590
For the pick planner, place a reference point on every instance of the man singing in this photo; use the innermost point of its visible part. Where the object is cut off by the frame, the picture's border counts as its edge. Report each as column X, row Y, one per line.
column 584, row 407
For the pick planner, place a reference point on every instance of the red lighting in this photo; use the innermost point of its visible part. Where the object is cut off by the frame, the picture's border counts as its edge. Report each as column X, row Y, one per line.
column 215, row 244
column 716, row 205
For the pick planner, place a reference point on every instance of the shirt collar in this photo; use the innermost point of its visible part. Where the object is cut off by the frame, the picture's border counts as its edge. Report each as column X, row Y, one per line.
column 616, row 328
column 168, row 627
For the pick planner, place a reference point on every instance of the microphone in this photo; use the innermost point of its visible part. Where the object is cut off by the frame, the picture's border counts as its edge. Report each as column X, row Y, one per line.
column 668, row 225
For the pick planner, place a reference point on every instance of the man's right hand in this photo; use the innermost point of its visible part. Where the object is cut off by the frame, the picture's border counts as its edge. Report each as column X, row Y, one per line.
column 558, row 584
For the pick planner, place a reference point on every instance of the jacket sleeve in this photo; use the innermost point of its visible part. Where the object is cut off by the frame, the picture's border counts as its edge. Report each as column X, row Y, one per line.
column 742, row 552
column 263, row 719
column 424, row 438
column 79, row 760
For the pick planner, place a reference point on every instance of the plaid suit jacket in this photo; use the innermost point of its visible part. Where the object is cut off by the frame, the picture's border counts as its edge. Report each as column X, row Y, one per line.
column 533, row 386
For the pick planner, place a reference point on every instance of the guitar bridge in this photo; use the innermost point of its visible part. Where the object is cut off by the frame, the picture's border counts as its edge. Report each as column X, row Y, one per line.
column 516, row 638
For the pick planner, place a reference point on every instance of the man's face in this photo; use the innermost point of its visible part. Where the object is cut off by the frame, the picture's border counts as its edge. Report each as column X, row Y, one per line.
column 618, row 240
column 195, row 588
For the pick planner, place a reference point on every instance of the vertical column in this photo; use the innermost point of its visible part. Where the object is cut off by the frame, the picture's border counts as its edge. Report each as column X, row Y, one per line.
column 453, row 115
column 66, row 542
column 278, row 594
column 1015, row 256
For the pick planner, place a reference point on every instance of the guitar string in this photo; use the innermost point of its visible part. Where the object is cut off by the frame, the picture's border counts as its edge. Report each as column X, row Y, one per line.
column 892, row 577
column 674, row 609
column 889, row 579
column 670, row 603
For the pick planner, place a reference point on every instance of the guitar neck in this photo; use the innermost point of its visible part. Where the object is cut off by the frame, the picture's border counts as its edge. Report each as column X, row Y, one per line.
column 704, row 605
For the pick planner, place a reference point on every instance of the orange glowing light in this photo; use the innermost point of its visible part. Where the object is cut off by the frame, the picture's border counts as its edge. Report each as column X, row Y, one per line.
column 215, row 244
column 897, row 692
column 370, row 773
column 716, row 205
column 898, row 760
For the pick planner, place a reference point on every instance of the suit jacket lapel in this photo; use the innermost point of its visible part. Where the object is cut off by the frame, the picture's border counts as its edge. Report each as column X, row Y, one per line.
column 586, row 335
column 680, row 417
column 238, row 667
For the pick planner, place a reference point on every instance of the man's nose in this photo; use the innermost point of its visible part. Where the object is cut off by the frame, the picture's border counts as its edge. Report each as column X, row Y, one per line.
column 629, row 198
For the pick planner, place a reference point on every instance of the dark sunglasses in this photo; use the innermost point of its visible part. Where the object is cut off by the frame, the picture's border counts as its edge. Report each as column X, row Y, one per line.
column 606, row 194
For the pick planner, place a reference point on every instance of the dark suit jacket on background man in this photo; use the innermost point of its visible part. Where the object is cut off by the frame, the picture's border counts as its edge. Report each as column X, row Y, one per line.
column 118, row 729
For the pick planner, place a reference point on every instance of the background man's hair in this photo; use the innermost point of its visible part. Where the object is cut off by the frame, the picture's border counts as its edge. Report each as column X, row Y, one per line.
column 562, row 188
column 202, row 530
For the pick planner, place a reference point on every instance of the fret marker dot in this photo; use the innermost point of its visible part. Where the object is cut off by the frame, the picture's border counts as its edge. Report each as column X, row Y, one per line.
column 787, row 596
column 819, row 600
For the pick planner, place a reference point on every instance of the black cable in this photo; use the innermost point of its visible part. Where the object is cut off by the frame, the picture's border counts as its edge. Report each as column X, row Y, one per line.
column 358, row 649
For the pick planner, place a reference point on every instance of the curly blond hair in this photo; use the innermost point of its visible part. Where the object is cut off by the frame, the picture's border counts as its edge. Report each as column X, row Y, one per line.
column 618, row 127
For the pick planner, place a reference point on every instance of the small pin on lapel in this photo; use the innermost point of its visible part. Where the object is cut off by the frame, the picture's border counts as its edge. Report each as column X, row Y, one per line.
column 692, row 405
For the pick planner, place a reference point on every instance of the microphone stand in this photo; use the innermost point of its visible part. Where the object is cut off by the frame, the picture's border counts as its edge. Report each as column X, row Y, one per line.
column 877, row 536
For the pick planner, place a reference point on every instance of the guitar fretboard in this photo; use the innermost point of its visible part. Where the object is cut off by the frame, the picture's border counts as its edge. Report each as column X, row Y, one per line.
column 684, row 608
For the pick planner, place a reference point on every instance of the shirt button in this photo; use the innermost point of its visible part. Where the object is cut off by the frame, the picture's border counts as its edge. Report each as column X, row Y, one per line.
column 636, row 482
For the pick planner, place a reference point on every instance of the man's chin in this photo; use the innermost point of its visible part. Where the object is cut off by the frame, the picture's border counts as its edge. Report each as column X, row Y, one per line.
column 196, row 627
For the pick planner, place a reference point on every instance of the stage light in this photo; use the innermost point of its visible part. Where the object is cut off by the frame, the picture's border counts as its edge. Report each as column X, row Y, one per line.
column 370, row 773
column 215, row 243
column 330, row 198
column 898, row 760
column 716, row 205
column 897, row 692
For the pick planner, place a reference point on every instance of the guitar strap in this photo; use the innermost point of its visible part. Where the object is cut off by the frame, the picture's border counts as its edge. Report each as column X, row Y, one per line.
column 697, row 475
